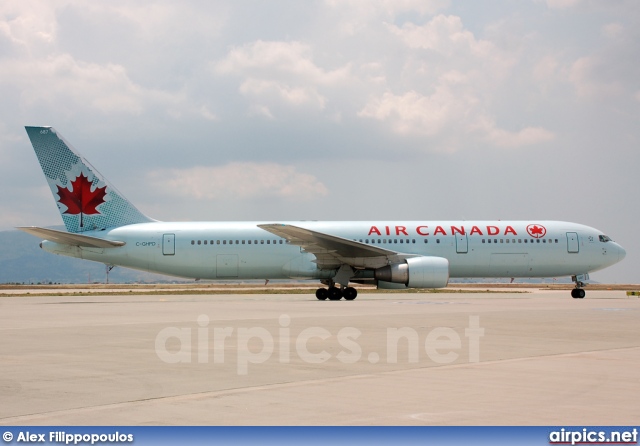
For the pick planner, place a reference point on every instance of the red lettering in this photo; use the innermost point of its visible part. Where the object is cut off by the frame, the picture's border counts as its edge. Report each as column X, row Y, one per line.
column 374, row 230
column 457, row 230
column 476, row 230
column 387, row 228
column 493, row 230
column 419, row 230
column 401, row 230
column 510, row 230
column 439, row 230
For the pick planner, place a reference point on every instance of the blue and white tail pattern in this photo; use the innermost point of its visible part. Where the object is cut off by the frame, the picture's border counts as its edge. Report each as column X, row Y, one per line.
column 85, row 199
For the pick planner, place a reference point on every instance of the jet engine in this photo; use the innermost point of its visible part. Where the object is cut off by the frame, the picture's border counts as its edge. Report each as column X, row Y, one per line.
column 416, row 272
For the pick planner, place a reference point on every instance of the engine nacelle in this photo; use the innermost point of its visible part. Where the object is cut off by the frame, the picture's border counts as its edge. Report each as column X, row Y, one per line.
column 417, row 272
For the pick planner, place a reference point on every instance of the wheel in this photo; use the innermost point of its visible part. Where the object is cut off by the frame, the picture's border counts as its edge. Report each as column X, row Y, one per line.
column 322, row 293
column 350, row 293
column 578, row 293
column 335, row 293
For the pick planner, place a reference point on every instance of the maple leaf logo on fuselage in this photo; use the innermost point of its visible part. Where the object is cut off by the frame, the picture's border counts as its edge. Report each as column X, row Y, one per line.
column 81, row 200
column 536, row 231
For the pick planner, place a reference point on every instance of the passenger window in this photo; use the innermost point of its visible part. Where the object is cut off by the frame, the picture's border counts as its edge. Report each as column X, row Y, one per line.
column 193, row 242
column 262, row 242
column 427, row 241
column 438, row 241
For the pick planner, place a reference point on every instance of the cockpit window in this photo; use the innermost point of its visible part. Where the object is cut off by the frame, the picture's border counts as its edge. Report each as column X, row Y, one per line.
column 604, row 238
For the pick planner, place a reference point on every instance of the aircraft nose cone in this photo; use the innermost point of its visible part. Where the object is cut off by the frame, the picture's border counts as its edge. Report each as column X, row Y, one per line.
column 621, row 253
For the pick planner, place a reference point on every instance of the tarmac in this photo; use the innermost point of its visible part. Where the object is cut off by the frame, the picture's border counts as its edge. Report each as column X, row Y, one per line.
column 529, row 358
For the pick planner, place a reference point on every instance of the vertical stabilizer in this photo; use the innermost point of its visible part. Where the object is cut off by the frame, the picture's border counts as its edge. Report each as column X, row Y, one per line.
column 85, row 199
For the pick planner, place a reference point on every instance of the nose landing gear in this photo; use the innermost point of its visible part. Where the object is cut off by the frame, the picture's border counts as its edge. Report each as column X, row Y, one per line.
column 578, row 292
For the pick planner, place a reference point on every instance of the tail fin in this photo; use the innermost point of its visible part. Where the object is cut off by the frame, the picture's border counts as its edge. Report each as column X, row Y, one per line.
column 85, row 199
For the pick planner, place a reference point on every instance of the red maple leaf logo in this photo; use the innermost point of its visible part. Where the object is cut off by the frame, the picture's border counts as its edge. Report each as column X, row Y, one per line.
column 82, row 200
column 536, row 231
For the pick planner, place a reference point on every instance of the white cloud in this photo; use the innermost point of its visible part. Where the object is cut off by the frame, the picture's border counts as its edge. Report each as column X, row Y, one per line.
column 562, row 4
column 444, row 34
column 64, row 83
column 28, row 23
column 455, row 47
column 260, row 110
column 208, row 114
column 506, row 139
column 289, row 60
column 238, row 181
column 292, row 95
column 585, row 77
column 445, row 112
column 415, row 113
column 280, row 73
column 353, row 16
column 612, row 30
column 461, row 74
column 546, row 69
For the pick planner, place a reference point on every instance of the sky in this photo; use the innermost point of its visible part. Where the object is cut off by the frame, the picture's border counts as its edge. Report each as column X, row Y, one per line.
column 333, row 110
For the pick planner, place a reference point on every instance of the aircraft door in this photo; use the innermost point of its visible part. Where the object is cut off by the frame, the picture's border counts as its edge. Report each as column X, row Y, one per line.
column 462, row 244
column 572, row 242
column 169, row 244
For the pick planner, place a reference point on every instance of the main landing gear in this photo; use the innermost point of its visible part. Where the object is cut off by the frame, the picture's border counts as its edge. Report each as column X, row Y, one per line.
column 335, row 293
column 578, row 292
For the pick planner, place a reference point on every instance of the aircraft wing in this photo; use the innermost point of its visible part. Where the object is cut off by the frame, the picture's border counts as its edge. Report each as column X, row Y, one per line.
column 67, row 238
column 332, row 251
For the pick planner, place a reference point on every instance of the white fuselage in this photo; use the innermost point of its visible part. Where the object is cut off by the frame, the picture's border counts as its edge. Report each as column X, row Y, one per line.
column 242, row 250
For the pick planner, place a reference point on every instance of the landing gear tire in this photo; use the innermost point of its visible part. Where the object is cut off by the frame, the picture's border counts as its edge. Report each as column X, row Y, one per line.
column 578, row 293
column 322, row 294
column 350, row 293
column 335, row 293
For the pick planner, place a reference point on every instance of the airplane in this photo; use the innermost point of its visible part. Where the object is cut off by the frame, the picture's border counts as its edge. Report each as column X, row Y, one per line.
column 103, row 226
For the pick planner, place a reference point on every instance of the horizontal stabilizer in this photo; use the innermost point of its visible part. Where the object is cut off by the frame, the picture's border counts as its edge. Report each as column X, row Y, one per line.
column 67, row 238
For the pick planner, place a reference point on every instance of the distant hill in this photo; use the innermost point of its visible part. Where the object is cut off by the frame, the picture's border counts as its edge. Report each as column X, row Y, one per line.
column 22, row 261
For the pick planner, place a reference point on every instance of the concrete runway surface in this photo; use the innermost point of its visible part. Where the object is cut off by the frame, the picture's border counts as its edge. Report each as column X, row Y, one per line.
column 537, row 358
